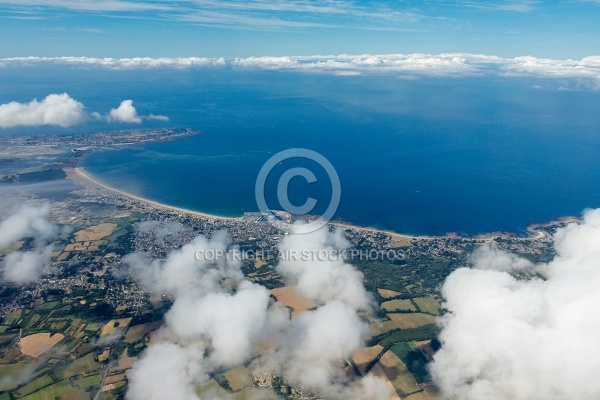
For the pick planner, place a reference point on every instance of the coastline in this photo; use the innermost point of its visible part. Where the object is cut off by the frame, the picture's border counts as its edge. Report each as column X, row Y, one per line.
column 78, row 172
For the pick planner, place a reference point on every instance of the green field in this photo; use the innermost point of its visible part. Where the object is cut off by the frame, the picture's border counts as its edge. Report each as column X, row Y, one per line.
column 82, row 365
column 87, row 381
column 414, row 360
column 35, row 385
column 12, row 317
column 402, row 305
column 11, row 375
column 428, row 305
column 47, row 306
column 405, row 335
column 93, row 326
column 50, row 392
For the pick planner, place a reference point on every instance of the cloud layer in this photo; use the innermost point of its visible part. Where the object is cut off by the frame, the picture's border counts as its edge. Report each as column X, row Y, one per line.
column 64, row 111
column 506, row 338
column 585, row 70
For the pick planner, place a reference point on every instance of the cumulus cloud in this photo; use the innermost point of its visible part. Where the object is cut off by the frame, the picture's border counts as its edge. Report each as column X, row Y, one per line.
column 309, row 262
column 25, row 266
column 491, row 257
column 505, row 338
column 56, row 109
column 64, row 111
column 127, row 113
column 166, row 371
column 320, row 341
column 214, row 309
column 29, row 221
column 218, row 320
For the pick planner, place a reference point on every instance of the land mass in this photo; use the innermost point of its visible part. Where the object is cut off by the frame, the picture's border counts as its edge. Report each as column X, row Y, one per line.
column 53, row 331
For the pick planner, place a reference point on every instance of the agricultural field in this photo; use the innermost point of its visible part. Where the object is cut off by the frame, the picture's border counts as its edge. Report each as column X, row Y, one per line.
column 34, row 386
column 49, row 306
column 403, row 381
column 38, row 343
column 12, row 375
column 413, row 358
column 238, row 378
column 428, row 305
column 288, row 297
column 365, row 356
column 61, row 336
column 401, row 321
column 378, row 372
column 137, row 332
column 96, row 232
column 60, row 390
column 82, row 365
column 398, row 305
column 387, row 294
column 114, row 327
column 412, row 320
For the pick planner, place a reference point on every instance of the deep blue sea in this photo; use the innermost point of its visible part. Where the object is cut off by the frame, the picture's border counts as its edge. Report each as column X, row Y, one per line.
column 421, row 156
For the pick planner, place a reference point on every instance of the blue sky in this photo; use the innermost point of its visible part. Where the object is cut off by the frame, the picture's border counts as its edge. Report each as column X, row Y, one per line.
column 231, row 28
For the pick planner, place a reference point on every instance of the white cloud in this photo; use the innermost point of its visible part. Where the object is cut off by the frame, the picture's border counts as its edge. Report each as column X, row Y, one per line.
column 320, row 342
column 126, row 112
column 25, row 266
column 218, row 319
column 166, row 371
column 62, row 110
column 585, row 71
column 29, row 221
column 256, row 14
column 322, row 279
column 118, row 63
column 55, row 109
column 156, row 117
column 505, row 338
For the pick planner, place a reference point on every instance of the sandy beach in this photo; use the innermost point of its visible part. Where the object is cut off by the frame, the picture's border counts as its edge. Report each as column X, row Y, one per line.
column 80, row 173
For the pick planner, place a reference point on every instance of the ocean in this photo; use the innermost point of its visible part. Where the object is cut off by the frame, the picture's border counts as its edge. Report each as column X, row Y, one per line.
column 423, row 156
